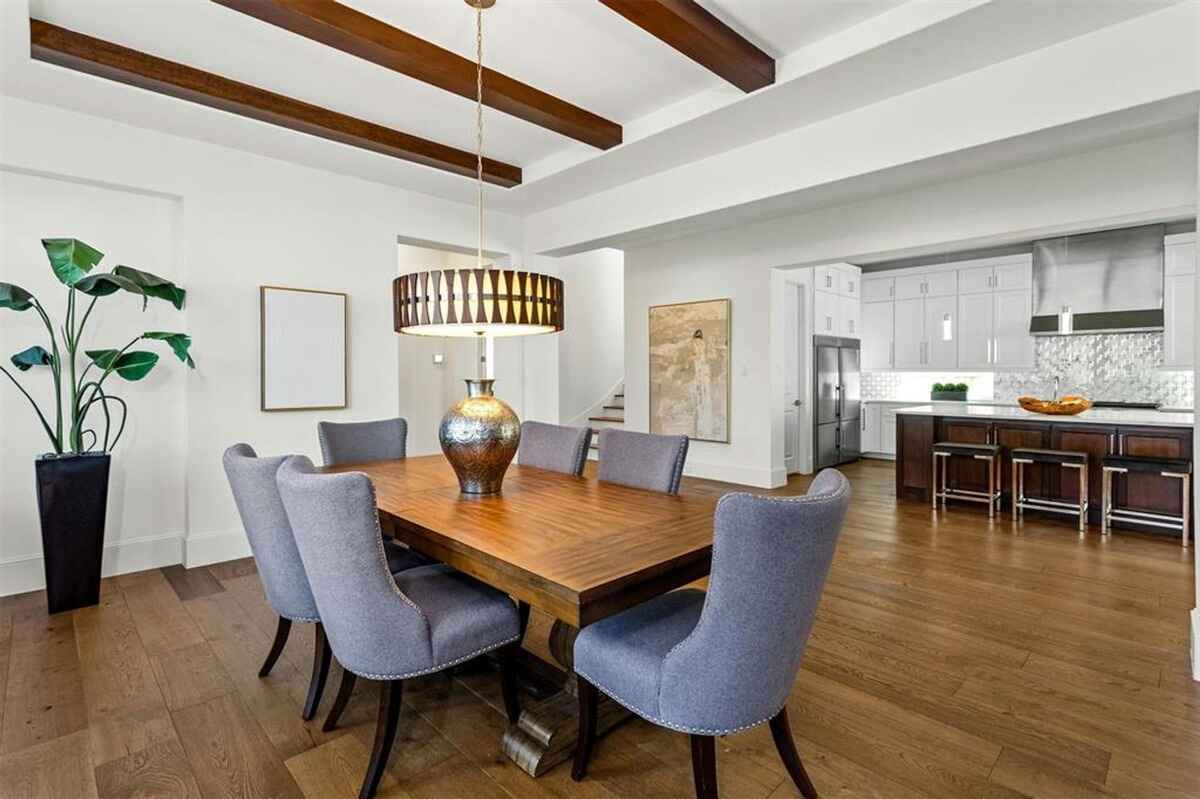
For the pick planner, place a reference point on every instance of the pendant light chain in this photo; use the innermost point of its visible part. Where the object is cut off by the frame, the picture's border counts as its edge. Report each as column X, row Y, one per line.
column 479, row 121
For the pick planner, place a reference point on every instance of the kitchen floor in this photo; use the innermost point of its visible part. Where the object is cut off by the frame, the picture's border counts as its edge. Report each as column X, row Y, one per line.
column 951, row 657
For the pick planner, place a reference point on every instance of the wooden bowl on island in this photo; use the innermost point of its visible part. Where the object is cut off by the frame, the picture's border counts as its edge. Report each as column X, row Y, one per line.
column 1066, row 406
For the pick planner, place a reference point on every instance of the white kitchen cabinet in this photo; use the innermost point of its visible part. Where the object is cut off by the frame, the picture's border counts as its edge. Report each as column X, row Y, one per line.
column 849, row 325
column 1179, row 302
column 909, row 336
column 941, row 333
column 870, row 420
column 826, row 307
column 878, row 329
column 878, row 289
column 910, row 287
column 941, row 284
column 976, row 280
column 1012, row 346
column 1003, row 276
column 826, row 279
column 887, row 430
column 1013, row 275
column 975, row 328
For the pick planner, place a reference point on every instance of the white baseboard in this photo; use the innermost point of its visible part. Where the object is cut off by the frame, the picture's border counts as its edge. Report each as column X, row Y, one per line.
column 742, row 475
column 201, row 550
column 1196, row 644
column 22, row 574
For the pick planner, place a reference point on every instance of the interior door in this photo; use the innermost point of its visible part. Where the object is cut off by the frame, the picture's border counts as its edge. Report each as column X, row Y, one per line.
column 827, row 384
column 793, row 401
column 910, row 333
column 975, row 331
column 877, row 321
column 1012, row 345
column 941, row 332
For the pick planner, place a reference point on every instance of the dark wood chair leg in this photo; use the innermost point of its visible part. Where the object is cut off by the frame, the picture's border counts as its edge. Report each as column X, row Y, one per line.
column 385, row 735
column 343, row 699
column 281, row 637
column 704, row 766
column 588, row 701
column 508, row 682
column 523, row 615
column 320, row 671
column 782, row 733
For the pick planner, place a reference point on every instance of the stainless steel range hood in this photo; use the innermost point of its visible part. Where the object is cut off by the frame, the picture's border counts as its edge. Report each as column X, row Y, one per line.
column 1105, row 282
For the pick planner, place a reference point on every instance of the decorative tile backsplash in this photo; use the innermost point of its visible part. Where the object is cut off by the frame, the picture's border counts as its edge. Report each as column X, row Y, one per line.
column 1122, row 367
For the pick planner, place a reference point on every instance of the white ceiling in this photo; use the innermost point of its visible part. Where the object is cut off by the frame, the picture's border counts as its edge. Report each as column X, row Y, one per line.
column 577, row 50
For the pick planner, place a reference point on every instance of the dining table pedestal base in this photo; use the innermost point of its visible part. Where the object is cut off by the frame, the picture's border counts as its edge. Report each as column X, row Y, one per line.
column 545, row 734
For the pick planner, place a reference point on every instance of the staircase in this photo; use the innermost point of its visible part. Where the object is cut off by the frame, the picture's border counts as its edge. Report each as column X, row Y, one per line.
column 610, row 413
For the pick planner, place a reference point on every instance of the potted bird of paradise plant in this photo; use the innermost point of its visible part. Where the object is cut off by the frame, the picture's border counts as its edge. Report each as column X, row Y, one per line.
column 72, row 479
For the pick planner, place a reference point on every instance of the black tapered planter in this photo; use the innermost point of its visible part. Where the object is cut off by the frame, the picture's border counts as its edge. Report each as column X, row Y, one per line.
column 72, row 501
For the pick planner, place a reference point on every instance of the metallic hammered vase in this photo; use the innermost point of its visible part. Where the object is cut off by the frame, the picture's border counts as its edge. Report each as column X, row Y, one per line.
column 479, row 436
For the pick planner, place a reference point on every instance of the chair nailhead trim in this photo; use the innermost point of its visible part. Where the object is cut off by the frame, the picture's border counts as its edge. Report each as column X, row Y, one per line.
column 669, row 725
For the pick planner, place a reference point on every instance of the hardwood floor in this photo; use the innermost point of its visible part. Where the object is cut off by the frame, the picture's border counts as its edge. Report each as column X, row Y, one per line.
column 950, row 658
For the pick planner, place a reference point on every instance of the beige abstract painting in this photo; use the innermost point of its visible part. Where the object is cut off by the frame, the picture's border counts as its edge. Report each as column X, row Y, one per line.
column 689, row 370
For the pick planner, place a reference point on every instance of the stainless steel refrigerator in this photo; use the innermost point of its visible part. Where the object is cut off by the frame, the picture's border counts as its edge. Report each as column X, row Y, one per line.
column 837, row 435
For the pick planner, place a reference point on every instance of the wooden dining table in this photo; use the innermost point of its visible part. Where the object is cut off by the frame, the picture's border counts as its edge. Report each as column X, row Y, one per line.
column 575, row 548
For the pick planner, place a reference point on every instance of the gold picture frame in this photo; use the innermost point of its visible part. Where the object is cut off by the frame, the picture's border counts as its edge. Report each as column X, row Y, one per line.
column 265, row 357
column 690, row 376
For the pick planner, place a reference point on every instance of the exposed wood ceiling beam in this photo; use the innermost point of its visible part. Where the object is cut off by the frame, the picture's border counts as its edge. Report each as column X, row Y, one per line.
column 82, row 53
column 693, row 31
column 358, row 34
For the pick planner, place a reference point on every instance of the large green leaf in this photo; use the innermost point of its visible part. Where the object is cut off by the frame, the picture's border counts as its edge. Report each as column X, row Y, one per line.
column 71, row 259
column 102, row 284
column 153, row 285
column 130, row 365
column 14, row 297
column 179, row 342
column 34, row 356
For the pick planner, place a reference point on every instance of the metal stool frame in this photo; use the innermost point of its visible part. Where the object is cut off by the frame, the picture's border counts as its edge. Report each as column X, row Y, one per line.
column 1021, row 503
column 945, row 492
column 1113, row 513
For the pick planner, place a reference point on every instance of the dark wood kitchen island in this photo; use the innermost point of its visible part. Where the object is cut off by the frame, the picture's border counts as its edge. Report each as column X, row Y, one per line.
column 1099, row 433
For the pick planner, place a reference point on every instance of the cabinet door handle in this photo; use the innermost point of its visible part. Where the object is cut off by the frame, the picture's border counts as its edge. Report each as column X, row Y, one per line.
column 989, row 350
column 892, row 353
column 996, row 350
column 892, row 290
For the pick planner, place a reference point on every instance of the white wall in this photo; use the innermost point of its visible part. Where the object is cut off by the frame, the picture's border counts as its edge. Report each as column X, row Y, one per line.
column 239, row 220
column 1118, row 185
column 591, row 348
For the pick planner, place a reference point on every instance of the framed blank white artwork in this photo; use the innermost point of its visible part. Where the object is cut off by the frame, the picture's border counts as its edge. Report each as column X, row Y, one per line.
column 304, row 348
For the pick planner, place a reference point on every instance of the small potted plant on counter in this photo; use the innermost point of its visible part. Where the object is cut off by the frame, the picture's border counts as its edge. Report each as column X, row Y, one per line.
column 949, row 392
column 72, row 480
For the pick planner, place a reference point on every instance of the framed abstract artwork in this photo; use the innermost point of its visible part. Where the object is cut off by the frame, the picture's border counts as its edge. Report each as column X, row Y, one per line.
column 689, row 369
column 303, row 349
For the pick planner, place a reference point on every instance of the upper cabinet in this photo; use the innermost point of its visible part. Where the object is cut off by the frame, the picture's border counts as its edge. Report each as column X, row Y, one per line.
column 836, row 300
column 1179, row 301
column 968, row 315
column 878, row 289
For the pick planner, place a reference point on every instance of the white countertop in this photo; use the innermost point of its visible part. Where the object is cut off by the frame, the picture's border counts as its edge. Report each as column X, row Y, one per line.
column 1015, row 413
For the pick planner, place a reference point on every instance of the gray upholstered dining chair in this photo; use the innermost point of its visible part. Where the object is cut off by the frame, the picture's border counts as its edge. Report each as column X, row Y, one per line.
column 554, row 447
column 715, row 664
column 358, row 442
column 280, row 569
column 382, row 626
column 252, row 480
column 642, row 460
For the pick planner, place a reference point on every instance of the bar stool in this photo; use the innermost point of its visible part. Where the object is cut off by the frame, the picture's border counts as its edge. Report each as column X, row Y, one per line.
column 943, row 451
column 1166, row 467
column 1064, row 458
